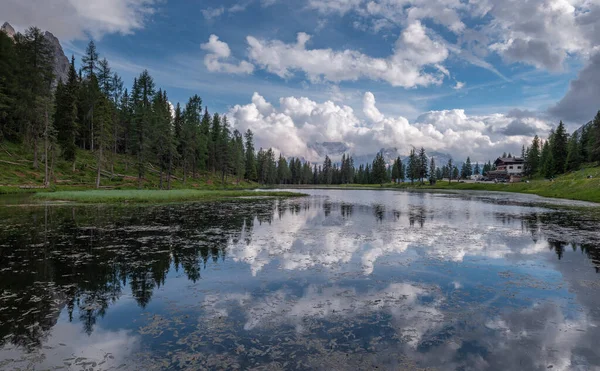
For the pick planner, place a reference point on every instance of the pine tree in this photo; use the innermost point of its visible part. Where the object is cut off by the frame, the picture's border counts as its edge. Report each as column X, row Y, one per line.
column 533, row 156
column 450, row 167
column 142, row 93
column 422, row 165
column 105, row 78
column 239, row 157
column 65, row 117
column 547, row 160
column 468, row 168
column 379, row 169
column 9, row 86
column 225, row 158
column 412, row 168
column 595, row 139
column 477, row 170
column 574, row 154
column 35, row 68
column 90, row 60
column 455, row 173
column 251, row 169
column 559, row 148
column 396, row 170
column 432, row 172
column 283, row 170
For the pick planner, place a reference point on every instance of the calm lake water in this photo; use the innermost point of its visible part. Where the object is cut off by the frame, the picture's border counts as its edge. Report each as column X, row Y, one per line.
column 338, row 280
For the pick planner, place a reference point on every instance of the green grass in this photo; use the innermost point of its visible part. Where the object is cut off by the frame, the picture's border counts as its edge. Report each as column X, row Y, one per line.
column 574, row 186
column 18, row 175
column 155, row 196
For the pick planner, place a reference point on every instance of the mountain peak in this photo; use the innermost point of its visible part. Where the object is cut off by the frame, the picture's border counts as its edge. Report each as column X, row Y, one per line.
column 8, row 29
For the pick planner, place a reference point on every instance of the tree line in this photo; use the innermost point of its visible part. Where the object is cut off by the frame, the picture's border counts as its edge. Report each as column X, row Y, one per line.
column 561, row 152
column 92, row 110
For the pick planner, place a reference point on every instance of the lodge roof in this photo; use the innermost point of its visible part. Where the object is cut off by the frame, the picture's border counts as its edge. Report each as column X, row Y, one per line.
column 510, row 160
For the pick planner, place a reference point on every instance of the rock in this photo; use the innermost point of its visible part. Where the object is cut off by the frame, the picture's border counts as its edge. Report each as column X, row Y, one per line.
column 8, row 29
column 61, row 62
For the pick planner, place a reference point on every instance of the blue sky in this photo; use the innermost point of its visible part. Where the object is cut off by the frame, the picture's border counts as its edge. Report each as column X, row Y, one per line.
column 445, row 74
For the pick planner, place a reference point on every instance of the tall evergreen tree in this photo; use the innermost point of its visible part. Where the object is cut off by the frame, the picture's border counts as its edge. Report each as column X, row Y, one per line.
column 65, row 118
column 239, row 157
column 9, row 86
column 379, row 169
column 141, row 99
column 574, row 158
column 533, row 156
column 412, row 168
column 559, row 148
column 422, row 165
column 35, row 69
column 432, row 172
column 594, row 139
column 251, row 169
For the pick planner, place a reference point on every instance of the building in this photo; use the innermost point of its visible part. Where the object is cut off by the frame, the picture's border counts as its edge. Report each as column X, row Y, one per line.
column 507, row 168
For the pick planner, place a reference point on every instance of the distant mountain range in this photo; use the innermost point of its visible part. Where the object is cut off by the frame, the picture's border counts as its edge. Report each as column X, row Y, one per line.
column 335, row 150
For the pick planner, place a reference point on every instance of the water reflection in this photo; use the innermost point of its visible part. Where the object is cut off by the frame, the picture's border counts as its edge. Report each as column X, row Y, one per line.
column 393, row 280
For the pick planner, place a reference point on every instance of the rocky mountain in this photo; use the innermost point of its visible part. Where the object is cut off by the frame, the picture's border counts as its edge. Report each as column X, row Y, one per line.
column 61, row 62
column 391, row 154
column 580, row 130
column 8, row 29
column 331, row 149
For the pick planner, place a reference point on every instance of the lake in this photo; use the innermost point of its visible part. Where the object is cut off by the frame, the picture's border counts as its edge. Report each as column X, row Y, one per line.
column 343, row 279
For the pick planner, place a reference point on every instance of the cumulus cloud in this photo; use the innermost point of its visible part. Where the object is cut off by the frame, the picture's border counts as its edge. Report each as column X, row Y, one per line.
column 72, row 19
column 297, row 123
column 414, row 50
column 217, row 54
column 540, row 33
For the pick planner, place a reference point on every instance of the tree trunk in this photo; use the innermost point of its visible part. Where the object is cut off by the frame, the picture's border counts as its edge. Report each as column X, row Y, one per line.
column 170, row 170
column 114, row 154
column 35, row 153
column 160, row 186
column 99, row 167
column 46, row 179
column 92, row 131
column 52, row 158
column 184, row 171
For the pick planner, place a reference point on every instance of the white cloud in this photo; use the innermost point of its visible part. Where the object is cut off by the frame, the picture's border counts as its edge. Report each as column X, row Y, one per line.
column 211, row 13
column 217, row 52
column 297, row 123
column 71, row 19
column 414, row 50
column 542, row 33
column 334, row 6
column 459, row 85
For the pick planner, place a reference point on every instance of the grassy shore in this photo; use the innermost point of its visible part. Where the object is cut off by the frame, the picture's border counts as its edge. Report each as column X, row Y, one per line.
column 17, row 174
column 150, row 196
column 574, row 186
